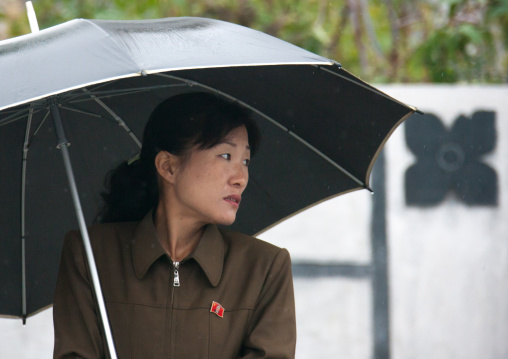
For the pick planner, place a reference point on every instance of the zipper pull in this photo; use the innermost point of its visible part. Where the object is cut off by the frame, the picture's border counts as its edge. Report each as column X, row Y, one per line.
column 176, row 276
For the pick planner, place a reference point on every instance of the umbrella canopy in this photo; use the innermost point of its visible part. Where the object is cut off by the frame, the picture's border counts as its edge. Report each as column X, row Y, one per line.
column 322, row 127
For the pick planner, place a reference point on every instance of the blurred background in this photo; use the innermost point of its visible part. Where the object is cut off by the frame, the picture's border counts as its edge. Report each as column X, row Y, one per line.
column 420, row 268
column 382, row 41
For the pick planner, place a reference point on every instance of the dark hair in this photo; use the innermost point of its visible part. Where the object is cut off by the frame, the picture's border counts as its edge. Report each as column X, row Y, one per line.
column 176, row 125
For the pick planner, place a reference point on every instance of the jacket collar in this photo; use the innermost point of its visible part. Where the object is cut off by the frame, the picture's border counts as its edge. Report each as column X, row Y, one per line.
column 209, row 253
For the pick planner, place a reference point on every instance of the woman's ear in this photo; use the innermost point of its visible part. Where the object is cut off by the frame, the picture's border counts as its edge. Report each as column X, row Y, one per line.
column 166, row 165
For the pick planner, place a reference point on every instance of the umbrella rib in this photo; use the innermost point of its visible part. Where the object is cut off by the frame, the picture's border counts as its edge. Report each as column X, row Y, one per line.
column 26, row 145
column 282, row 127
column 73, row 109
column 12, row 111
column 332, row 162
column 13, row 117
column 74, row 101
column 366, row 86
column 110, row 93
column 117, row 118
column 98, row 86
column 19, row 114
column 40, row 125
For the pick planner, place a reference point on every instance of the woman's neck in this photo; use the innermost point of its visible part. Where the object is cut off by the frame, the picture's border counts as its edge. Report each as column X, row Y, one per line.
column 178, row 236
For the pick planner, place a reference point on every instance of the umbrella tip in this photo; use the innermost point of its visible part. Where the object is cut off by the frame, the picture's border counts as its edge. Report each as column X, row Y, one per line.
column 32, row 18
column 24, row 319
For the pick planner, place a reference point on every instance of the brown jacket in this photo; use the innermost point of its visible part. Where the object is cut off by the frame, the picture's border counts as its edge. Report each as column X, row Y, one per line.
column 152, row 318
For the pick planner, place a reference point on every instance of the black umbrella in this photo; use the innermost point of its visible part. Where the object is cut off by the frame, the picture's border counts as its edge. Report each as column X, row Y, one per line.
column 94, row 83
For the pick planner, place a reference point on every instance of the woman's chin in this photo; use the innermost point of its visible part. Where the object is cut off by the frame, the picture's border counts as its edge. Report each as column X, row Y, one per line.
column 226, row 221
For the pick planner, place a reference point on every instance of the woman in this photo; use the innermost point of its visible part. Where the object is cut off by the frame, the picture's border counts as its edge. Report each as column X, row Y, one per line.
column 175, row 285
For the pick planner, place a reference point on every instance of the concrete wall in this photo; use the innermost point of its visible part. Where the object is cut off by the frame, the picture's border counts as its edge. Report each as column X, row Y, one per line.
column 449, row 261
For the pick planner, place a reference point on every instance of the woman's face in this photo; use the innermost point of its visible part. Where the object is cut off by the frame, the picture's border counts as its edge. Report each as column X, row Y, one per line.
column 209, row 185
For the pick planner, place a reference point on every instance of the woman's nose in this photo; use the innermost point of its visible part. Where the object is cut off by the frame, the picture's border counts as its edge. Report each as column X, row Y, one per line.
column 239, row 176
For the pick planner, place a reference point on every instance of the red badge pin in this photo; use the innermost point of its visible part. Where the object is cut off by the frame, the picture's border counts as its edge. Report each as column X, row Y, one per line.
column 217, row 309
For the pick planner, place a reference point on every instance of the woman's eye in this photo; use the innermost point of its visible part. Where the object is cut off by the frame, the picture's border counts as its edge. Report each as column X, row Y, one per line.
column 246, row 162
column 226, row 156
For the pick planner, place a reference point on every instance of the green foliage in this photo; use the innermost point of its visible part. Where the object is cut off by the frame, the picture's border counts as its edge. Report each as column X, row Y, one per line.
column 464, row 49
column 454, row 54
column 498, row 14
column 378, row 40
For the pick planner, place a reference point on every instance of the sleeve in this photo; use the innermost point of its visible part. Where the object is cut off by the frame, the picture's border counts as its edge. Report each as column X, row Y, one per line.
column 272, row 328
column 76, row 322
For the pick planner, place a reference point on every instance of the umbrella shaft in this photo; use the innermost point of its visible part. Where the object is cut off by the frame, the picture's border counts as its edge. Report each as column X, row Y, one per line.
column 62, row 145
column 23, row 204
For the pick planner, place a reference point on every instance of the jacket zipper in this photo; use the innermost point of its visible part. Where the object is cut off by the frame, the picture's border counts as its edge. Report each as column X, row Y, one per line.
column 176, row 276
column 176, row 283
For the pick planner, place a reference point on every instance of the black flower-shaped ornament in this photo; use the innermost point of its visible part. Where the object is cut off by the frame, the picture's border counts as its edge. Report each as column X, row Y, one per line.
column 450, row 160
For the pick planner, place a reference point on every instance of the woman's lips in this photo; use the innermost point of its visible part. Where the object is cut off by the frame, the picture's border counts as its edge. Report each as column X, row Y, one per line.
column 233, row 199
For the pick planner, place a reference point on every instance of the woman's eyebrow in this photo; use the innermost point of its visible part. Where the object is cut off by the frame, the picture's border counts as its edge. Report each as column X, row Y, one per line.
column 234, row 144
